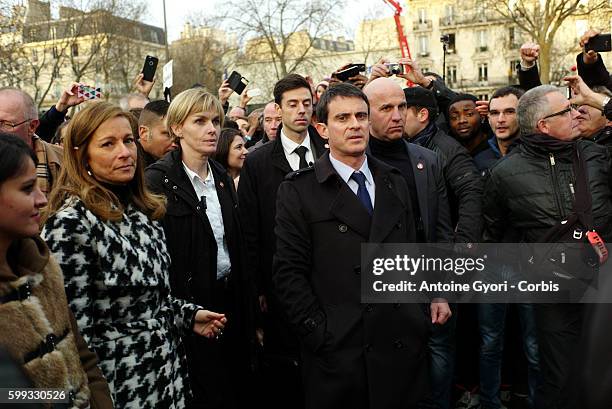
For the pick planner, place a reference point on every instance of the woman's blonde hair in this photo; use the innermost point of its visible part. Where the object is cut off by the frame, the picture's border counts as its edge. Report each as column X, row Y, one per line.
column 74, row 179
column 188, row 102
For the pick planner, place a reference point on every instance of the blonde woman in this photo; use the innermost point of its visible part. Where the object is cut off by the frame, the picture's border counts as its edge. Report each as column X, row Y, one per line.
column 102, row 226
column 205, row 243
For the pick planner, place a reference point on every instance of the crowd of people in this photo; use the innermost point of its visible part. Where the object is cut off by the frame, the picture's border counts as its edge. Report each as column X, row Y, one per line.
column 186, row 254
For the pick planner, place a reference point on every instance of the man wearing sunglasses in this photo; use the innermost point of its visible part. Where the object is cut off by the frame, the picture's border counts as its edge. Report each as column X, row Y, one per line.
column 530, row 192
column 18, row 115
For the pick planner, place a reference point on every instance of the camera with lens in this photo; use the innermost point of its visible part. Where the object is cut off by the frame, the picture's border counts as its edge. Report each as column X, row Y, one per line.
column 445, row 38
column 395, row 68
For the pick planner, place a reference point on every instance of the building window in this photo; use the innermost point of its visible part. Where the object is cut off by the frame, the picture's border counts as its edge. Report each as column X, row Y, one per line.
column 449, row 15
column 449, row 11
column 422, row 16
column 512, row 74
column 482, row 40
column 514, row 66
column 74, row 50
column 512, row 37
column 483, row 72
column 424, row 45
column 483, row 97
column 451, row 43
column 451, row 74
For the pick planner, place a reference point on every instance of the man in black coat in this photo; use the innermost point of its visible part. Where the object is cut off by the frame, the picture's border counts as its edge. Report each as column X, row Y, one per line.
column 463, row 182
column 464, row 188
column 264, row 170
column 420, row 166
column 519, row 195
column 354, row 355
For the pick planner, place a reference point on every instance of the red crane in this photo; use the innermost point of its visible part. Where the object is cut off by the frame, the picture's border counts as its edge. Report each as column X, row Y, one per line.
column 397, row 16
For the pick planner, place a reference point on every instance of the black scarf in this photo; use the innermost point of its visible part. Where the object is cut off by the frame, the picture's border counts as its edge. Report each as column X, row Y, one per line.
column 548, row 143
column 423, row 137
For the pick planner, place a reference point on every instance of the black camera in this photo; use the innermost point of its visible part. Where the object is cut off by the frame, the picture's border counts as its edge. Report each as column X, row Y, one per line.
column 445, row 38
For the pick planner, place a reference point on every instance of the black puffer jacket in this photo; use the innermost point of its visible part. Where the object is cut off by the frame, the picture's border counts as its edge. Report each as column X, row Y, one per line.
column 463, row 183
column 604, row 138
column 529, row 190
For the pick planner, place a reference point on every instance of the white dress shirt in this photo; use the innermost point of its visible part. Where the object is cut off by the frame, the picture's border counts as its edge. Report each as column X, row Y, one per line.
column 345, row 172
column 289, row 147
column 206, row 188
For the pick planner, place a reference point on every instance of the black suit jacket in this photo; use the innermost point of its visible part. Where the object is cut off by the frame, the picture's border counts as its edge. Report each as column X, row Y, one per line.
column 354, row 355
column 263, row 171
column 463, row 185
column 431, row 193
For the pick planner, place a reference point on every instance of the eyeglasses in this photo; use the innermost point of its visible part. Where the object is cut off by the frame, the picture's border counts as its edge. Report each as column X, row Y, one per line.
column 563, row 112
column 8, row 125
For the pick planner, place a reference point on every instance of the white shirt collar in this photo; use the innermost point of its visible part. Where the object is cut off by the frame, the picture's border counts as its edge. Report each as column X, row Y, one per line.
column 289, row 146
column 194, row 176
column 345, row 171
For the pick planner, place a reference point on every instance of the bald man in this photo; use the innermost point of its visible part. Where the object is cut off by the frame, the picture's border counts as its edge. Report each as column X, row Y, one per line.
column 423, row 172
column 420, row 166
column 18, row 115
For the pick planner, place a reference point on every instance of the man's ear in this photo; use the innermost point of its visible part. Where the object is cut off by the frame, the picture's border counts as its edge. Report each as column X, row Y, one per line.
column 542, row 127
column 322, row 130
column 143, row 133
column 423, row 115
column 279, row 110
column 33, row 126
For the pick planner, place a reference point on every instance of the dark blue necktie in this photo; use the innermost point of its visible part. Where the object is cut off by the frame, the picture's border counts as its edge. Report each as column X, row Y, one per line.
column 362, row 192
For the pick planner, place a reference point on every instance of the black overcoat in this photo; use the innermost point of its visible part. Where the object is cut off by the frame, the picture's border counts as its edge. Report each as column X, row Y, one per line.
column 354, row 355
column 193, row 251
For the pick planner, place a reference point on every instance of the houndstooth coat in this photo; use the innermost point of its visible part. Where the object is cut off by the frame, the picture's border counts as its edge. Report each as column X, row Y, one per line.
column 116, row 277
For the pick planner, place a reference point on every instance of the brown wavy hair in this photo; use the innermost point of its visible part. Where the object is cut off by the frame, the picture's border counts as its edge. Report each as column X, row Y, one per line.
column 75, row 181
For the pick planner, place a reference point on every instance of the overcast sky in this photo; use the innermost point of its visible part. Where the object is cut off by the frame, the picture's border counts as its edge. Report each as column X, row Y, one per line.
column 179, row 11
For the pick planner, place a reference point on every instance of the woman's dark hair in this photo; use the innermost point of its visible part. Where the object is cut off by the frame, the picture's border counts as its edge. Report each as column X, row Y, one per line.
column 225, row 142
column 13, row 152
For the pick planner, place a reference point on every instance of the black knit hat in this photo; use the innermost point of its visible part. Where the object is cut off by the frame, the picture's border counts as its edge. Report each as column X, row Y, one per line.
column 462, row 97
column 421, row 97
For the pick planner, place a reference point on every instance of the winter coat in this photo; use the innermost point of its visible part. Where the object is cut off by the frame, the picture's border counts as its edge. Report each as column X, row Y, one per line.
column 116, row 278
column 193, row 275
column 464, row 185
column 354, row 355
column 529, row 190
column 38, row 330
